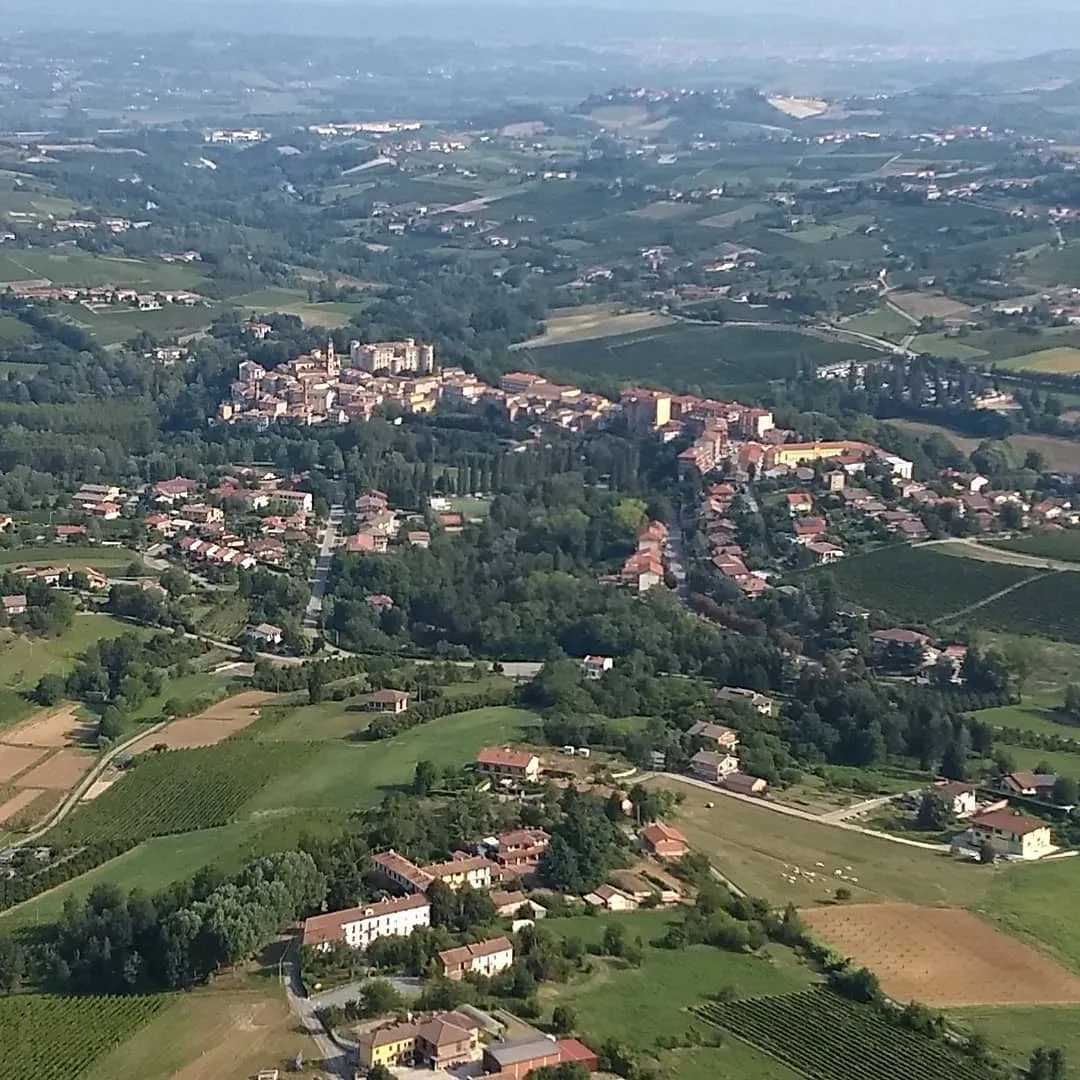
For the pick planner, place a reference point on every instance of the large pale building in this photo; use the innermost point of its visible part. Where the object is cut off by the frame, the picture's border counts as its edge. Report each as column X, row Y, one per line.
column 393, row 357
column 359, row 927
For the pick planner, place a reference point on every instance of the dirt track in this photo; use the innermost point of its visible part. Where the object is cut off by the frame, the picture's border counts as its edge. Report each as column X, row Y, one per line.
column 942, row 956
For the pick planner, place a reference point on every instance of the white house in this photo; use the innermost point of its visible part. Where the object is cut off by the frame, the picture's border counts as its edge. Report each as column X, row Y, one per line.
column 359, row 927
column 961, row 799
column 594, row 667
column 485, row 958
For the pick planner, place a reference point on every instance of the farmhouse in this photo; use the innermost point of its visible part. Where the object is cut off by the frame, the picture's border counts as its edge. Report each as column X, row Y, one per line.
column 712, row 766
column 446, row 1041
column 1012, row 834
column 14, row 605
column 359, row 927
column 472, row 870
column 961, row 799
column 387, row 1046
column 520, row 848
column 611, row 899
column 485, row 958
column 506, row 764
column 725, row 738
column 265, row 634
column 799, row 502
column 744, row 784
column 664, row 841
column 593, row 667
column 387, row 701
column 1033, row 785
column 515, row 1060
column 758, row 702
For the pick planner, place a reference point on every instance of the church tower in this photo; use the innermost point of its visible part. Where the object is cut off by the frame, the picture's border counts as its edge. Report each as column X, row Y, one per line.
column 333, row 364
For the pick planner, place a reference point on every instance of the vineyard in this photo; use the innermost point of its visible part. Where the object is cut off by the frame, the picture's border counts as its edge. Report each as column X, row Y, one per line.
column 1049, row 607
column 826, row 1037
column 61, row 1038
column 179, row 791
column 1064, row 546
column 921, row 584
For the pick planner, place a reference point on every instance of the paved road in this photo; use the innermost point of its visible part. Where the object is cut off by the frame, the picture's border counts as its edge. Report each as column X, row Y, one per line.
column 866, row 807
column 804, row 815
column 322, row 568
column 335, row 1059
column 406, row 986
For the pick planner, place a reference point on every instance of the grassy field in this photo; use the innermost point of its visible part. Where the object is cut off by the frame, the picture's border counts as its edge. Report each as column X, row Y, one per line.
column 759, row 848
column 100, row 558
column 949, row 347
column 1014, row 1032
column 714, row 359
column 69, row 267
column 1033, row 715
column 639, row 1006
column 883, row 579
column 342, row 774
column 23, row 660
column 1060, row 454
column 1064, row 360
column 882, row 322
column 114, row 326
column 1048, row 606
column 295, row 302
column 592, row 322
column 1061, row 546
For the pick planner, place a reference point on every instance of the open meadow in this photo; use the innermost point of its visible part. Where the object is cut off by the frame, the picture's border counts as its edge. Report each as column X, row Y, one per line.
column 71, row 267
column 1064, row 360
column 592, row 322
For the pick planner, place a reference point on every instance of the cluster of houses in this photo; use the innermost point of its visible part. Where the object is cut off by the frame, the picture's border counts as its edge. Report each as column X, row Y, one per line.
column 721, row 535
column 644, row 570
column 718, row 760
column 96, row 296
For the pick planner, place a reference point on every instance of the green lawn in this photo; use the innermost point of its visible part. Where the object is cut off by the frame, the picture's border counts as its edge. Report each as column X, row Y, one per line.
column 759, row 848
column 341, row 774
column 1062, row 762
column 638, row 1006
column 100, row 558
column 1037, row 714
column 332, row 314
column 23, row 659
column 948, row 347
column 881, row 322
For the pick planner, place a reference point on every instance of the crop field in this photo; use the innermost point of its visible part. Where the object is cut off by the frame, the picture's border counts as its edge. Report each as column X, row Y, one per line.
column 942, row 956
column 210, row 727
column 295, row 302
column 114, row 326
column 825, row 1037
column 591, row 322
column 949, row 347
column 924, row 305
column 100, row 558
column 715, row 359
column 881, row 322
column 782, row 858
column 921, row 584
column 82, row 268
column 1064, row 360
column 58, row 1038
column 1049, row 606
column 1061, row 546
column 182, row 790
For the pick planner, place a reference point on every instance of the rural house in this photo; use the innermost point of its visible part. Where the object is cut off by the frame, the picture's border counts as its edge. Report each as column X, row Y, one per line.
column 387, row 701
column 394, row 1044
column 760, row 703
column 358, row 927
column 664, row 841
column 1012, row 834
column 505, row 764
column 961, row 799
column 745, row 784
column 712, row 766
column 265, row 634
column 485, row 958
column 593, row 667
column 447, row 1040
column 1033, row 785
column 14, row 605
column 725, row 738
column 611, row 899
column 515, row 1060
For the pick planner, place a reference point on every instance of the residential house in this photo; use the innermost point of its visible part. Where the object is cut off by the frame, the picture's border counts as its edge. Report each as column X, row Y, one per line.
column 177, row 490
column 387, row 701
column 516, row 1059
column 725, row 738
column 824, row 554
column 472, row 870
column 67, row 533
column 294, row 501
column 807, row 530
column 760, row 703
column 745, row 784
column 367, row 541
column 712, row 766
column 486, row 958
column 387, row 1046
column 1012, row 834
column 520, row 849
column 265, row 634
column 401, row 872
column 885, row 641
column 593, row 667
column 504, row 764
column 452, row 523
column 14, row 605
column 962, row 799
column 664, row 841
column 611, row 899
column 447, row 1040
column 799, row 502
column 358, row 927
column 419, row 538
column 1033, row 785
column 379, row 602
column 509, row 905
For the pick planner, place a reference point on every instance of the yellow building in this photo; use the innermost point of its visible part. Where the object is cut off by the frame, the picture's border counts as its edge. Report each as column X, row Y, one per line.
column 792, row 454
column 393, row 1045
column 1011, row 833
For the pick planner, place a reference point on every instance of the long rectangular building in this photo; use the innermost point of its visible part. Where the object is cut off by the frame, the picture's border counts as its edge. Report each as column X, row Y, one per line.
column 358, row 927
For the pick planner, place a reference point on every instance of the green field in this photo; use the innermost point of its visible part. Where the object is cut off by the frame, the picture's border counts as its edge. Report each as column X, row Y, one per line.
column 882, row 322
column 1042, row 719
column 116, row 325
column 639, row 1007
column 920, row 584
column 1060, row 546
column 1015, row 1032
column 81, row 268
column 157, row 863
column 295, row 302
column 758, row 848
column 1048, row 606
column 712, row 359
column 1064, row 360
column 100, row 558
column 23, row 659
column 342, row 774
column 57, row 1038
column 949, row 347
